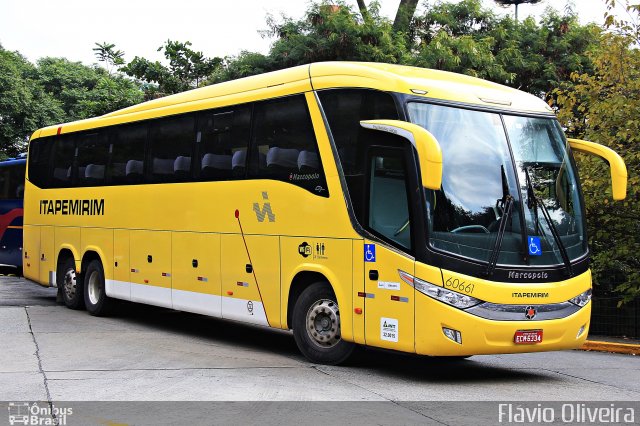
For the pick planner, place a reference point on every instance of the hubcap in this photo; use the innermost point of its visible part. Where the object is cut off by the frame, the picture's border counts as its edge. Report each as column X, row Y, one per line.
column 94, row 288
column 69, row 284
column 323, row 323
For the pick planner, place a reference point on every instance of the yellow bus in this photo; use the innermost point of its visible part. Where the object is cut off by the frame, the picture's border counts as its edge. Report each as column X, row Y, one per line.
column 354, row 203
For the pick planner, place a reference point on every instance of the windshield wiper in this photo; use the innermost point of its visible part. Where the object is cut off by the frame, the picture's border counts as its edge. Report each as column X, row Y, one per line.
column 507, row 206
column 533, row 202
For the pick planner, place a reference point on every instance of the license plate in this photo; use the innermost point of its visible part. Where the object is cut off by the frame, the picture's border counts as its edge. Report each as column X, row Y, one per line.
column 527, row 337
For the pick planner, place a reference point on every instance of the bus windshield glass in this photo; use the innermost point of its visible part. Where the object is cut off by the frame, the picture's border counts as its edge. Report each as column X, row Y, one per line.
column 508, row 186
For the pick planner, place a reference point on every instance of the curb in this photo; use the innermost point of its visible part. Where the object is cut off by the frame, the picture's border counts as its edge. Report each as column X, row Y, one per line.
column 619, row 348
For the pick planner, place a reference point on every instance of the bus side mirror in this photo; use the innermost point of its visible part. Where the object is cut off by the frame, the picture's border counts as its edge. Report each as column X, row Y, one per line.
column 428, row 148
column 616, row 164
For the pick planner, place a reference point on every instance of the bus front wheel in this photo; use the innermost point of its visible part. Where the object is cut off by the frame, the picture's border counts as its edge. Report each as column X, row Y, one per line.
column 316, row 326
column 71, row 284
column 95, row 296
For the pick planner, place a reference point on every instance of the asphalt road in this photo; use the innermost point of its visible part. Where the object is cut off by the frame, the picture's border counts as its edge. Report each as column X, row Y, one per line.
column 50, row 353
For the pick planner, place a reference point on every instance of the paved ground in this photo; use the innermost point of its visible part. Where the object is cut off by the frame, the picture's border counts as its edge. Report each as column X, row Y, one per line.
column 51, row 353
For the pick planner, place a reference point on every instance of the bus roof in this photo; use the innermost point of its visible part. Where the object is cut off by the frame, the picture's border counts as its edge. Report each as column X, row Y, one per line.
column 426, row 83
column 20, row 159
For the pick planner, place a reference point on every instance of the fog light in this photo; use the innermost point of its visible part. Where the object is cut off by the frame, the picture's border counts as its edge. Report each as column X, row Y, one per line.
column 581, row 331
column 454, row 335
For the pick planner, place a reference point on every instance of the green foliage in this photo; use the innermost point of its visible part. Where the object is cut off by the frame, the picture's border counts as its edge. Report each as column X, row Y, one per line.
column 534, row 57
column 107, row 53
column 604, row 107
column 54, row 91
column 327, row 33
column 83, row 91
column 187, row 69
column 462, row 37
column 24, row 104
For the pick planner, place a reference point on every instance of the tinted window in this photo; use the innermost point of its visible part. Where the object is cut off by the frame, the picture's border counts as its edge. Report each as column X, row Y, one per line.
column 12, row 181
column 388, row 209
column 222, row 141
column 344, row 110
column 171, row 141
column 127, row 154
column 39, row 155
column 93, row 152
column 64, row 152
column 286, row 147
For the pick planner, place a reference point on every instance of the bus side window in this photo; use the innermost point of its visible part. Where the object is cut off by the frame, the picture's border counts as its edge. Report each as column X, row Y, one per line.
column 16, row 189
column 92, row 158
column 64, row 153
column 285, row 145
column 222, row 140
column 126, row 149
column 39, row 161
column 388, row 209
column 5, row 183
column 344, row 109
column 171, row 144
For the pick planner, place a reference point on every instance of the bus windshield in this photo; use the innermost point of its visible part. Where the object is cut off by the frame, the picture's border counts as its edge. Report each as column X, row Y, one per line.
column 509, row 192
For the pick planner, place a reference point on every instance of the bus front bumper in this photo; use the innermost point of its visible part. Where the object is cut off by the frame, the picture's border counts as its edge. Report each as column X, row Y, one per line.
column 483, row 336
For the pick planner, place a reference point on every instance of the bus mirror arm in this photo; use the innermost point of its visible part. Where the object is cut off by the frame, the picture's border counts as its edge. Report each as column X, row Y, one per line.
column 427, row 146
column 616, row 164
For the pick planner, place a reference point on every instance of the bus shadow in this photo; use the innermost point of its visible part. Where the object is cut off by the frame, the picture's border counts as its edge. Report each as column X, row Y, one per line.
column 439, row 369
column 214, row 330
column 394, row 365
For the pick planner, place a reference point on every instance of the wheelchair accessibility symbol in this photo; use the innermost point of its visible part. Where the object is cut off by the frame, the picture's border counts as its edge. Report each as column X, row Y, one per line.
column 535, row 248
column 369, row 252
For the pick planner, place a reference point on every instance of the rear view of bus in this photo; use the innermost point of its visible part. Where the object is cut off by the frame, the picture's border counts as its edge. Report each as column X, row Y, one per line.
column 11, row 200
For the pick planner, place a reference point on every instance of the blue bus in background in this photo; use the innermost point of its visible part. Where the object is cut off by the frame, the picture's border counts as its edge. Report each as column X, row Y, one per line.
column 11, row 212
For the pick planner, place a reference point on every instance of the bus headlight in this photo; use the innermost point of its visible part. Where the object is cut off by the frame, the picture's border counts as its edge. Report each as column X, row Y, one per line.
column 450, row 297
column 581, row 299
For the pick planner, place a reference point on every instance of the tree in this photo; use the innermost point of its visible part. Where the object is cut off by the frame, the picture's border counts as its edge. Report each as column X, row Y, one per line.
column 604, row 106
column 105, row 52
column 53, row 91
column 323, row 34
column 535, row 57
column 404, row 13
column 462, row 37
column 83, row 91
column 507, row 3
column 187, row 69
column 24, row 105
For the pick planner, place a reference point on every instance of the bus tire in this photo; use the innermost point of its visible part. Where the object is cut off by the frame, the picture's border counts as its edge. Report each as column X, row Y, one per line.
column 316, row 326
column 95, row 295
column 71, row 284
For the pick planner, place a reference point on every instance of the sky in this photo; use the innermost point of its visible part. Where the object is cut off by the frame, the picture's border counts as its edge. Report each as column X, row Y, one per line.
column 69, row 28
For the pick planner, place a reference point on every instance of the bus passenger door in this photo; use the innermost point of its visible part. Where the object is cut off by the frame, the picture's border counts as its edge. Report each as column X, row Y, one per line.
column 242, row 298
column 389, row 302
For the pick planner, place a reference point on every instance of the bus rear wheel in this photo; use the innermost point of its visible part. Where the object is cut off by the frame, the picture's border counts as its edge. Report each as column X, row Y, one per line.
column 316, row 326
column 71, row 284
column 95, row 296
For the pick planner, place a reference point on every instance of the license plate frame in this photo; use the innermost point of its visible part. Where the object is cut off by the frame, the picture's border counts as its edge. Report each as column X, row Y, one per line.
column 528, row 337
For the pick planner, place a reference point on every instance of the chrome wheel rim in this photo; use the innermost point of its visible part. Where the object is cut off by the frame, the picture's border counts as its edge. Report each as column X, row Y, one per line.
column 323, row 323
column 69, row 284
column 93, row 288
